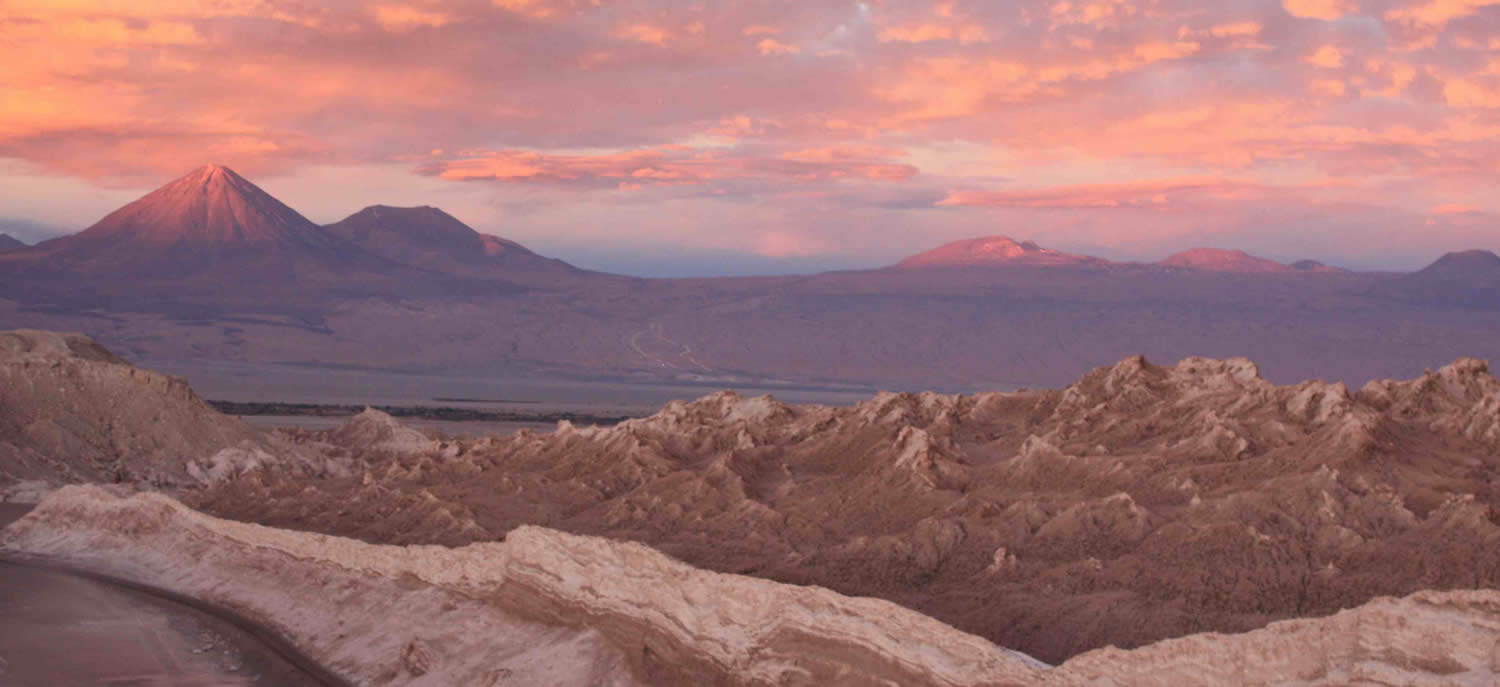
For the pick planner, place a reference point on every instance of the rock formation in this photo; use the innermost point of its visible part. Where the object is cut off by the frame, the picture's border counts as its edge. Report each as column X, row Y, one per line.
column 1141, row 503
column 71, row 411
column 546, row 608
column 541, row 608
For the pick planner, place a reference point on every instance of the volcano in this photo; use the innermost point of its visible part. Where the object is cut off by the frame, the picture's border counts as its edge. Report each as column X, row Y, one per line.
column 431, row 239
column 1472, row 267
column 213, row 223
column 1466, row 279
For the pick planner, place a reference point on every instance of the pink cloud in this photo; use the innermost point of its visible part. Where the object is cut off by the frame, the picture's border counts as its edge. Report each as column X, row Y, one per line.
column 1398, row 100
column 1319, row 9
column 1144, row 194
column 667, row 166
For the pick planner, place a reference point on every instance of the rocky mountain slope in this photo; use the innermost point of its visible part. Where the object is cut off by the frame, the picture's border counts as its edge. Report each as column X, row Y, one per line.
column 1140, row 503
column 10, row 243
column 71, row 411
column 546, row 608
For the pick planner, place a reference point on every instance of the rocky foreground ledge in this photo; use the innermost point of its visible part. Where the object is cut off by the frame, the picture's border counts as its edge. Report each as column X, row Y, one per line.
column 547, row 608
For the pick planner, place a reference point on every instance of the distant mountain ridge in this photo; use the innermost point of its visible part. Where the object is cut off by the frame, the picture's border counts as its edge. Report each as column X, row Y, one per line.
column 1004, row 251
column 1469, row 278
column 1223, row 260
column 1480, row 267
column 214, row 227
column 429, row 238
column 212, row 268
column 995, row 250
column 10, row 243
column 209, row 222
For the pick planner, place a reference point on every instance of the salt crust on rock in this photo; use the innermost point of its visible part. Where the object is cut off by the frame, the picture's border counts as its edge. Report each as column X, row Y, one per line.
column 546, row 608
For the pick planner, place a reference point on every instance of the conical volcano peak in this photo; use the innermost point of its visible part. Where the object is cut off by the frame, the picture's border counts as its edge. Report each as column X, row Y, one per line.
column 211, row 175
column 205, row 222
column 212, row 169
column 215, row 179
column 209, row 205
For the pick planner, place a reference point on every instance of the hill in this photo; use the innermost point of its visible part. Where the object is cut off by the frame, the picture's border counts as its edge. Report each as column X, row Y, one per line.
column 431, row 239
column 1223, row 260
column 996, row 251
column 1464, row 279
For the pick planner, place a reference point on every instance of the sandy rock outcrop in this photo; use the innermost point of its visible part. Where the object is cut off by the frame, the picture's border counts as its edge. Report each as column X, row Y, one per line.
column 541, row 608
column 374, row 430
column 547, row 608
column 1142, row 503
column 72, row 411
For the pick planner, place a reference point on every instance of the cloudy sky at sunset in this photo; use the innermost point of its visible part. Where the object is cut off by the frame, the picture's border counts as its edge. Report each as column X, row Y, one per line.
column 668, row 137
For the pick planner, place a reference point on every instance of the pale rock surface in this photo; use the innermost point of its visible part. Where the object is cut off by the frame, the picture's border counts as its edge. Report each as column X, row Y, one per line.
column 546, row 608
column 71, row 411
column 374, row 430
column 541, row 608
column 1141, row 503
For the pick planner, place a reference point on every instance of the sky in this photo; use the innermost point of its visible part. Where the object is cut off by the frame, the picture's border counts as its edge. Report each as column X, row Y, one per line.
column 673, row 138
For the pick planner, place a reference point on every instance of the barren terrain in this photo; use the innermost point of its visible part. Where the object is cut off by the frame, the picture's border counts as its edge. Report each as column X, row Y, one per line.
column 546, row 608
column 1142, row 503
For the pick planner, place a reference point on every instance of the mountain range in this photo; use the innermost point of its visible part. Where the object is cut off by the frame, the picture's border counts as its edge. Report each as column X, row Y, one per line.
column 211, row 267
column 1001, row 251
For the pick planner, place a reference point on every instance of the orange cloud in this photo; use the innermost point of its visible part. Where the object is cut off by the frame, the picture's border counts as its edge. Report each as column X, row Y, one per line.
column 1460, row 92
column 406, row 18
column 559, row 97
column 1144, row 194
column 920, row 33
column 1240, row 29
column 1318, row 9
column 1328, row 57
column 670, row 167
column 643, row 33
column 1330, row 87
column 536, row 9
column 771, row 46
column 1437, row 12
